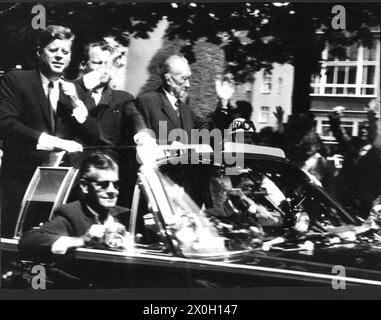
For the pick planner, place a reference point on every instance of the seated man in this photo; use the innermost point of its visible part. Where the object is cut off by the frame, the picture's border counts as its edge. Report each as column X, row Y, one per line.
column 95, row 218
column 254, row 197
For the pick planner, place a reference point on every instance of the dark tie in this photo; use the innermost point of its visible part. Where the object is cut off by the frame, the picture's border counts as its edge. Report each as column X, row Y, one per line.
column 177, row 104
column 51, row 109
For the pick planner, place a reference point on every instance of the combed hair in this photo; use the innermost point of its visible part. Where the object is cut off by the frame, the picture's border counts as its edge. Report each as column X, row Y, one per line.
column 123, row 38
column 101, row 43
column 165, row 66
column 52, row 33
column 98, row 160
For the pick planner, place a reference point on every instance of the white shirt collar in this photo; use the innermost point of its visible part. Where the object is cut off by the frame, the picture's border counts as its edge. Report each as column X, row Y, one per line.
column 172, row 99
column 45, row 82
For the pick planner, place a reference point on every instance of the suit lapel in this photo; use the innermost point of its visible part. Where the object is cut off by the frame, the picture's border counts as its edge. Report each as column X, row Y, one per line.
column 104, row 102
column 42, row 98
column 106, row 97
column 168, row 110
column 185, row 117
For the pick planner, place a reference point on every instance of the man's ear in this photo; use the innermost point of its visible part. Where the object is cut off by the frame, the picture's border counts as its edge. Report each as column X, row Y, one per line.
column 167, row 78
column 84, row 187
column 38, row 51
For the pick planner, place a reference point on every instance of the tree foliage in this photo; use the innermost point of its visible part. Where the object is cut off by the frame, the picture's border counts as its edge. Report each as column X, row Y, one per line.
column 252, row 35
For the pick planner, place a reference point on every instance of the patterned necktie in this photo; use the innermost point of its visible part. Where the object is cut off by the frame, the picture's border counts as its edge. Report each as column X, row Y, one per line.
column 51, row 109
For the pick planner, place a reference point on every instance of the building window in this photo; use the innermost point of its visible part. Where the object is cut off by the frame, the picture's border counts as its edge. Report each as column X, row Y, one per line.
column 264, row 115
column 348, row 126
column 354, row 74
column 266, row 83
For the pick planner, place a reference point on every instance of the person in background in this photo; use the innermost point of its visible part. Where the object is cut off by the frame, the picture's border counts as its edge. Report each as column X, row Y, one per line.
column 242, row 129
column 40, row 113
column 359, row 181
column 227, row 109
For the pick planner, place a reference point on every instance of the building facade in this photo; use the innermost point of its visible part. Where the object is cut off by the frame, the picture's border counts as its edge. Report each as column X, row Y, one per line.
column 269, row 90
column 351, row 82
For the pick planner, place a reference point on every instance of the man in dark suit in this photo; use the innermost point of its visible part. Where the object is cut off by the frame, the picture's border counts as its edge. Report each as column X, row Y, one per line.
column 39, row 113
column 119, row 122
column 113, row 110
column 165, row 110
column 95, row 217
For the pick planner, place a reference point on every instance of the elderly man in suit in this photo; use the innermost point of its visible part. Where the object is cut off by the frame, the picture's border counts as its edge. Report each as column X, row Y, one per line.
column 39, row 113
column 166, row 108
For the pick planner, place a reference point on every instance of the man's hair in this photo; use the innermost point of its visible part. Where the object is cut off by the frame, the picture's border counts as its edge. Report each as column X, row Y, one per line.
column 166, row 65
column 52, row 33
column 123, row 38
column 101, row 44
column 98, row 160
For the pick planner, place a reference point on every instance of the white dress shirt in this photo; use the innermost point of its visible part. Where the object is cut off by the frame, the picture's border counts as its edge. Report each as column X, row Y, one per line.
column 97, row 95
column 173, row 100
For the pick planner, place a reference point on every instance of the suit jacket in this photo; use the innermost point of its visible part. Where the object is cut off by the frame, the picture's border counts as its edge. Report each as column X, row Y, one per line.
column 155, row 107
column 25, row 114
column 116, row 115
column 71, row 220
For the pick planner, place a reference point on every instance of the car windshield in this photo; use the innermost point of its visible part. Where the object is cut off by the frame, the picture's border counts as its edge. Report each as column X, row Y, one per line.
column 266, row 203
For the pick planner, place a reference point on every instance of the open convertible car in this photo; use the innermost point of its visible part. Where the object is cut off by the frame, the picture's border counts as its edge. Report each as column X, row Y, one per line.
column 242, row 218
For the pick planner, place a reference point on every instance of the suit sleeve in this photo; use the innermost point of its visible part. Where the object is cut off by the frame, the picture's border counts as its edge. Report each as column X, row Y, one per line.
column 88, row 131
column 40, row 240
column 10, row 110
column 132, row 120
column 142, row 108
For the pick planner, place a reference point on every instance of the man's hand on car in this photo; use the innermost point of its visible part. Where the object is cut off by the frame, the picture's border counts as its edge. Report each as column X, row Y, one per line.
column 63, row 244
column 50, row 143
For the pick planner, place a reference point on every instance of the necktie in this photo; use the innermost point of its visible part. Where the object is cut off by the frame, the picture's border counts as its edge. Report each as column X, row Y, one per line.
column 177, row 104
column 51, row 109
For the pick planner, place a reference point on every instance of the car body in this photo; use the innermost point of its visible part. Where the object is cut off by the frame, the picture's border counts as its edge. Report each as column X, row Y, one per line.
column 202, row 219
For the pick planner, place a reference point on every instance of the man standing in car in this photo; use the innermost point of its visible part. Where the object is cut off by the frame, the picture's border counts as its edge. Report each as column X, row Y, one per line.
column 119, row 122
column 167, row 109
column 114, row 110
column 39, row 113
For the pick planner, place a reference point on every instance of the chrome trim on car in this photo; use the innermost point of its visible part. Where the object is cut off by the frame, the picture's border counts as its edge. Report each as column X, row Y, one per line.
column 161, row 259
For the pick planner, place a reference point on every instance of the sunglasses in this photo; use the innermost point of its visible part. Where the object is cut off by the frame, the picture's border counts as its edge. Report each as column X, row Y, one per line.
column 104, row 185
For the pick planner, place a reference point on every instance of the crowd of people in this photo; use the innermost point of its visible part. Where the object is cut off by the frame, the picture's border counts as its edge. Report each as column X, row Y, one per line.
column 42, row 113
column 356, row 181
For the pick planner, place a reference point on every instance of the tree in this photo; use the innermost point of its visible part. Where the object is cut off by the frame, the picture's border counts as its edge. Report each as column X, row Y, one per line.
column 255, row 35
column 252, row 35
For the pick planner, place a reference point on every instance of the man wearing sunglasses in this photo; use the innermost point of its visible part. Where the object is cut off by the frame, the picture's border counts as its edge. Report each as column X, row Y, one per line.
column 92, row 217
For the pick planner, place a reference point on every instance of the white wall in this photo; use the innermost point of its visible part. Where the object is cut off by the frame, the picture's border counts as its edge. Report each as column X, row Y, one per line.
column 278, row 96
